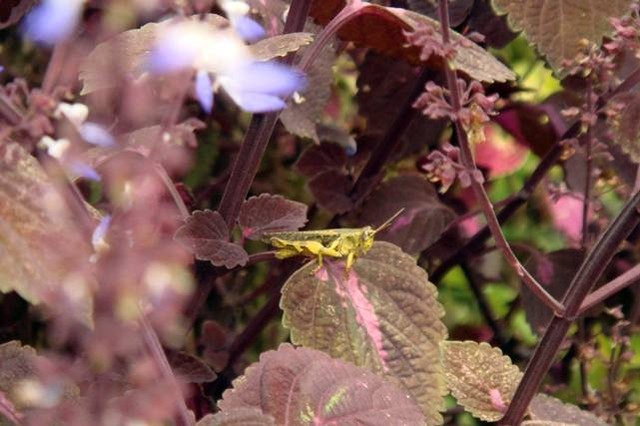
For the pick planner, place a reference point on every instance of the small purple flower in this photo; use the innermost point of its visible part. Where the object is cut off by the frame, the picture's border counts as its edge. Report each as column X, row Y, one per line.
column 95, row 134
column 204, row 91
column 248, row 29
column 83, row 170
column 52, row 20
column 100, row 232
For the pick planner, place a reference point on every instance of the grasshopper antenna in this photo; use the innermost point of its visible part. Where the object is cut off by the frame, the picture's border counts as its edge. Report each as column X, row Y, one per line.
column 388, row 222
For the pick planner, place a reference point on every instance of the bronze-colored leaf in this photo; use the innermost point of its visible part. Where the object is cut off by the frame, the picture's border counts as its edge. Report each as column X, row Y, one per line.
column 280, row 45
column 547, row 408
column 270, row 213
column 556, row 27
column 384, row 316
column 34, row 219
column 206, row 234
column 480, row 378
column 301, row 387
column 189, row 368
column 382, row 29
column 626, row 124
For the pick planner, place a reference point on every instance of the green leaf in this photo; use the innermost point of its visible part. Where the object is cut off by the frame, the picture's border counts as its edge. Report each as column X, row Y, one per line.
column 557, row 26
column 480, row 378
column 33, row 220
column 384, row 316
column 307, row 387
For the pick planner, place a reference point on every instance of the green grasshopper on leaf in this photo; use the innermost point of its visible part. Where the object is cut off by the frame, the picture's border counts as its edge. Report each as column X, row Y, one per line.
column 337, row 243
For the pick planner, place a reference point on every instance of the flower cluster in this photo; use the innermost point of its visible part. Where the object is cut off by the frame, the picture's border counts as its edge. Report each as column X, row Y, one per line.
column 429, row 40
column 443, row 166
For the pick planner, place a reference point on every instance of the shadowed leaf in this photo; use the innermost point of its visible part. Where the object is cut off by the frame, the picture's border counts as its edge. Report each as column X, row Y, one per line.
column 557, row 26
column 384, row 316
column 321, row 158
column 382, row 29
column 270, row 213
column 190, row 369
column 307, row 387
column 422, row 221
column 237, row 417
column 481, row 379
column 458, row 9
column 331, row 191
column 205, row 233
column 494, row 28
column 547, row 408
column 34, row 218
column 554, row 272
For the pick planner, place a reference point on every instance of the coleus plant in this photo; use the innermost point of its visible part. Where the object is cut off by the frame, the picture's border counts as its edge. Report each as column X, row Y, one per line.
column 136, row 197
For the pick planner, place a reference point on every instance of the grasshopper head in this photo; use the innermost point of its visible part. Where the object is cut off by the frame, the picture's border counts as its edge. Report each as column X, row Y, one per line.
column 367, row 237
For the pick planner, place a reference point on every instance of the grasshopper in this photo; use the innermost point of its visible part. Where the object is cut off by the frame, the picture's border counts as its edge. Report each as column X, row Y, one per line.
column 337, row 243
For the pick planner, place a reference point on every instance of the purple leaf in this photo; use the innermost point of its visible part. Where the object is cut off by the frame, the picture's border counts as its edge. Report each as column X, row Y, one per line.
column 204, row 91
column 97, row 135
column 422, row 221
column 290, row 383
column 190, row 369
column 248, row 29
column 52, row 21
column 321, row 158
column 270, row 213
column 331, row 191
column 554, row 271
column 205, row 233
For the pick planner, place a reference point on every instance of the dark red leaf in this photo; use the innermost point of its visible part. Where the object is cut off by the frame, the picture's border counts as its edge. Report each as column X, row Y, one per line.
column 270, row 213
column 555, row 272
column 458, row 9
column 190, row 369
column 331, row 191
column 320, row 158
column 494, row 28
column 422, row 221
column 206, row 234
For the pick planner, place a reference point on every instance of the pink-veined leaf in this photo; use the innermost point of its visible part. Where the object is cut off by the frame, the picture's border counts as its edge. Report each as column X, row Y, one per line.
column 383, row 316
column 307, row 387
column 480, row 377
column 206, row 234
column 270, row 213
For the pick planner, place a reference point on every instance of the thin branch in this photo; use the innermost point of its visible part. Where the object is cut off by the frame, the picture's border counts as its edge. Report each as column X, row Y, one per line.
column 632, row 276
column 548, row 161
column 157, row 353
column 258, row 135
column 480, row 193
column 590, row 271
